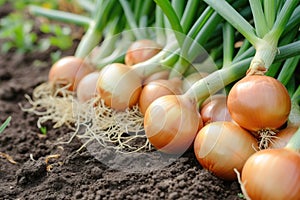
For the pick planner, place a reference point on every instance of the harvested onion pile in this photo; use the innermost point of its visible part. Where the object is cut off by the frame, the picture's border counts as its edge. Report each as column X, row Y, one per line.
column 201, row 78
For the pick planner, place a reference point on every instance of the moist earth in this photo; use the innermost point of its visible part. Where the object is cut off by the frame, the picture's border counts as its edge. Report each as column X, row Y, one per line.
column 46, row 169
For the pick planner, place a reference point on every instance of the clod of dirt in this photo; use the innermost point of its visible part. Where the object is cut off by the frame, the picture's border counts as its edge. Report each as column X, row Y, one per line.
column 31, row 171
column 4, row 75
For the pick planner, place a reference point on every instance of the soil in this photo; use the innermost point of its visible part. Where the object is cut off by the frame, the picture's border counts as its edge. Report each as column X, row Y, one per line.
column 79, row 175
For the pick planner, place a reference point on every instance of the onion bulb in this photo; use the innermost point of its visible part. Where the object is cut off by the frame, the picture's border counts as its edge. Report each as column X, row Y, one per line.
column 69, row 70
column 221, row 147
column 259, row 102
column 156, row 89
column 157, row 76
column 140, row 51
column 215, row 109
column 119, row 86
column 171, row 123
column 87, row 87
column 283, row 137
column 272, row 174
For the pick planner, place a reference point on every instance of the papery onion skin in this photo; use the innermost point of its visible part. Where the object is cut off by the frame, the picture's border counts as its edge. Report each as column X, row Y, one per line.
column 283, row 137
column 215, row 109
column 119, row 86
column 140, row 51
column 257, row 102
column 171, row 123
column 222, row 146
column 156, row 89
column 87, row 87
column 272, row 174
column 69, row 70
column 157, row 76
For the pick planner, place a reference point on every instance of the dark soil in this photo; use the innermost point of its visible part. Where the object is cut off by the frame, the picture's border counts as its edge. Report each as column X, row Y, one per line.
column 79, row 175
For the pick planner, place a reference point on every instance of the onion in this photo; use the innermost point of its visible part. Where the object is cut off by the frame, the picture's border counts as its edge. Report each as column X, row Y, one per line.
column 283, row 137
column 222, row 146
column 191, row 79
column 171, row 123
column 69, row 70
column 119, row 86
column 87, row 87
column 140, row 51
column 272, row 174
column 157, row 76
column 258, row 102
column 215, row 109
column 156, row 89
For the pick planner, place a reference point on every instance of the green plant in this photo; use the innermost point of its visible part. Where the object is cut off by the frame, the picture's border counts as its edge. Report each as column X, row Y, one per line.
column 4, row 125
column 19, row 31
column 17, row 34
column 43, row 130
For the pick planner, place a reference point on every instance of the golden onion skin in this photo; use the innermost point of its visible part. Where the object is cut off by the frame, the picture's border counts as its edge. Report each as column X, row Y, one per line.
column 215, row 109
column 119, row 86
column 87, row 87
column 272, row 174
column 258, row 102
column 156, row 89
column 171, row 123
column 140, row 51
column 69, row 70
column 221, row 147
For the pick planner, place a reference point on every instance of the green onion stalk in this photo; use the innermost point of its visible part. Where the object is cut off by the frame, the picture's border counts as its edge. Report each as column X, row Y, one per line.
column 294, row 116
column 263, row 37
column 190, row 39
column 93, row 35
column 178, row 60
column 294, row 142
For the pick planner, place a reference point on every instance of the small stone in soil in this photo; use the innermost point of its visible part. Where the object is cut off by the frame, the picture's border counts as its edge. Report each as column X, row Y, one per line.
column 31, row 171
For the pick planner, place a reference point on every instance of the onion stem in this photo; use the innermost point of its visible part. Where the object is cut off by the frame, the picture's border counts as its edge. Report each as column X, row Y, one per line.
column 294, row 143
column 296, row 96
column 235, row 19
column 94, row 33
column 288, row 69
column 189, row 14
column 283, row 18
column 289, row 50
column 172, row 18
column 217, row 80
column 270, row 12
column 293, row 22
column 131, row 20
column 259, row 18
column 228, row 44
column 178, row 6
column 159, row 26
